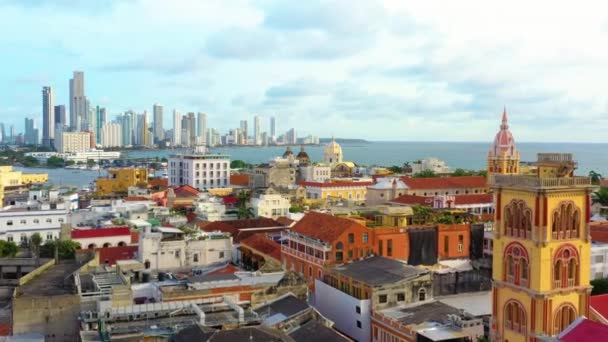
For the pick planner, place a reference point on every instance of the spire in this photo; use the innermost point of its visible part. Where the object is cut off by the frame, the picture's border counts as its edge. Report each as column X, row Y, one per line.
column 505, row 124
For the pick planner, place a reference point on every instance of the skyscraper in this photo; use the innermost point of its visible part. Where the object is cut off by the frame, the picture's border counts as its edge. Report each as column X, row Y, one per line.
column 201, row 127
column 245, row 131
column 159, row 133
column 291, row 137
column 100, row 121
column 273, row 128
column 256, row 131
column 177, row 128
column 48, row 116
column 78, row 101
column 60, row 115
column 31, row 132
column 192, row 127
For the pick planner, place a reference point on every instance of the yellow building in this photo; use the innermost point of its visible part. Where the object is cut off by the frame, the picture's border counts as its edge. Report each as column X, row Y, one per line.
column 503, row 158
column 541, row 250
column 10, row 178
column 348, row 191
column 119, row 180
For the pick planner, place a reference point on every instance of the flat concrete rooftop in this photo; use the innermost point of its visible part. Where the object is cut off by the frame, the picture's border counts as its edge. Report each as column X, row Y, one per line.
column 53, row 282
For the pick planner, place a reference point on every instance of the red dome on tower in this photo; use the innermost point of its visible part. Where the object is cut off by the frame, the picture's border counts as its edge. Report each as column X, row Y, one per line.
column 504, row 142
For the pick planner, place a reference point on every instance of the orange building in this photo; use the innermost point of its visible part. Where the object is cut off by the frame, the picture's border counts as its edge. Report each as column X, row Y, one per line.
column 391, row 242
column 319, row 240
column 453, row 241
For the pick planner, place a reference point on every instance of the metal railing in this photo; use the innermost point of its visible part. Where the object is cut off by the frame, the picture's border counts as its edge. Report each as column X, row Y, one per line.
column 539, row 182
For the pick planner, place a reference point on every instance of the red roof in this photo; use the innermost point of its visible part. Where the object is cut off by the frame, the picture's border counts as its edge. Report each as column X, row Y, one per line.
column 112, row 254
column 229, row 200
column 464, row 182
column 229, row 269
column 458, row 199
column 260, row 243
column 599, row 303
column 286, row 221
column 413, row 200
column 161, row 183
column 323, row 227
column 100, row 232
column 584, row 330
column 185, row 191
column 240, row 229
column 134, row 199
column 599, row 231
column 241, row 179
column 334, row 184
column 5, row 329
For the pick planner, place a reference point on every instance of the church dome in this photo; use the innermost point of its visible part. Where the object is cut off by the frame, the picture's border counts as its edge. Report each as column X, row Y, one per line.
column 333, row 147
column 504, row 142
column 303, row 156
column 288, row 153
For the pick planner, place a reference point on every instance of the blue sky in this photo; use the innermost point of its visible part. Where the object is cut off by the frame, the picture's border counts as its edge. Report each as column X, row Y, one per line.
column 381, row 70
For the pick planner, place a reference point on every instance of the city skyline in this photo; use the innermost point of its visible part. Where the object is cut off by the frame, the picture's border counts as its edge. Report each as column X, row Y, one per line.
column 408, row 69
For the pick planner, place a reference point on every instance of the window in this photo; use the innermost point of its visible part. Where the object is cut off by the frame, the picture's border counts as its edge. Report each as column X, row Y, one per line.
column 518, row 219
column 36, row 221
column 515, row 317
column 380, row 248
column 9, row 223
column 358, row 309
column 365, row 237
column 516, row 264
column 599, row 259
column 9, row 238
column 350, row 254
column 422, row 294
column 23, row 221
column 389, row 248
column 446, row 245
column 382, row 298
column 564, row 316
column 566, row 267
column 566, row 221
column 339, row 256
column 49, row 236
column 351, row 238
column 359, row 324
column 195, row 257
column 222, row 255
column 400, row 297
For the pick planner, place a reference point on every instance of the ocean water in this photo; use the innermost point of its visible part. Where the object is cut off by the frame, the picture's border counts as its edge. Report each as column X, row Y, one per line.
column 466, row 155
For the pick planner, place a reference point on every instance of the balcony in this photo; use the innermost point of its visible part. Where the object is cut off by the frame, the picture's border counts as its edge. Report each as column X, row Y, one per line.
column 539, row 182
column 557, row 284
column 571, row 282
column 523, row 282
column 302, row 255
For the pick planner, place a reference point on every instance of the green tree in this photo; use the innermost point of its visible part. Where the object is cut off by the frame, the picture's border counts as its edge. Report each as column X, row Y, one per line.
column 55, row 161
column 600, row 197
column 237, row 164
column 29, row 161
column 245, row 213
column 395, row 169
column 482, row 339
column 296, row 208
column 65, row 248
column 596, row 178
column 35, row 243
column 91, row 162
column 425, row 174
column 422, row 214
column 8, row 249
column 461, row 173
column 483, row 173
column 600, row 286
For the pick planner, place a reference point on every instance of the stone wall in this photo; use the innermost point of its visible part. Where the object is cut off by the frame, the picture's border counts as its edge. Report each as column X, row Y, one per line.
column 56, row 317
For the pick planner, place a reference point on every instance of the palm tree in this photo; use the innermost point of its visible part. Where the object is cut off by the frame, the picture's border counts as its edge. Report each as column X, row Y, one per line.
column 596, row 178
column 245, row 213
column 600, row 196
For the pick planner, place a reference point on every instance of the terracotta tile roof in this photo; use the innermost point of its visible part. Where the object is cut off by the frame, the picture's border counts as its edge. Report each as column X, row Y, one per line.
column 474, row 199
column 599, row 303
column 261, row 244
column 334, row 184
column 185, row 191
column 241, row 229
column 112, row 254
column 229, row 200
column 134, row 199
column 584, row 330
column 286, row 221
column 161, row 183
column 5, row 329
column 445, row 182
column 229, row 269
column 599, row 231
column 240, row 179
column 100, row 232
column 413, row 200
column 323, row 227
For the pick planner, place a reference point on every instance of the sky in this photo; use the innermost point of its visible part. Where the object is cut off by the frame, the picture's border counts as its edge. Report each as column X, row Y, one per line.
column 378, row 70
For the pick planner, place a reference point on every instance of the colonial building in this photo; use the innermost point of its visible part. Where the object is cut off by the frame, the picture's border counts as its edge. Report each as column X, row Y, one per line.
column 271, row 206
column 119, row 180
column 385, row 190
column 503, row 158
column 541, row 250
column 337, row 191
column 278, row 172
column 435, row 186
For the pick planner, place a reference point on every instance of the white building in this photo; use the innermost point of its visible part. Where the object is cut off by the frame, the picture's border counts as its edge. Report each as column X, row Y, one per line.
column 111, row 135
column 210, row 208
column 599, row 258
column 177, row 128
column 165, row 254
column 43, row 212
column 271, row 206
column 93, row 154
column 199, row 169
column 101, row 237
column 433, row 164
column 257, row 134
column 315, row 173
column 73, row 142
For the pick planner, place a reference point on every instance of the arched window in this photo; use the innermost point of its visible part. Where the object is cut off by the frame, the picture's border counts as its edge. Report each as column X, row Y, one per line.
column 515, row 317
column 517, row 264
column 518, row 219
column 564, row 316
column 566, row 221
column 422, row 294
column 566, row 267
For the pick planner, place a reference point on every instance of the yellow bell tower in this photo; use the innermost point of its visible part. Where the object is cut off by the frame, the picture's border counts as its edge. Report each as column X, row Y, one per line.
column 503, row 158
column 541, row 250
